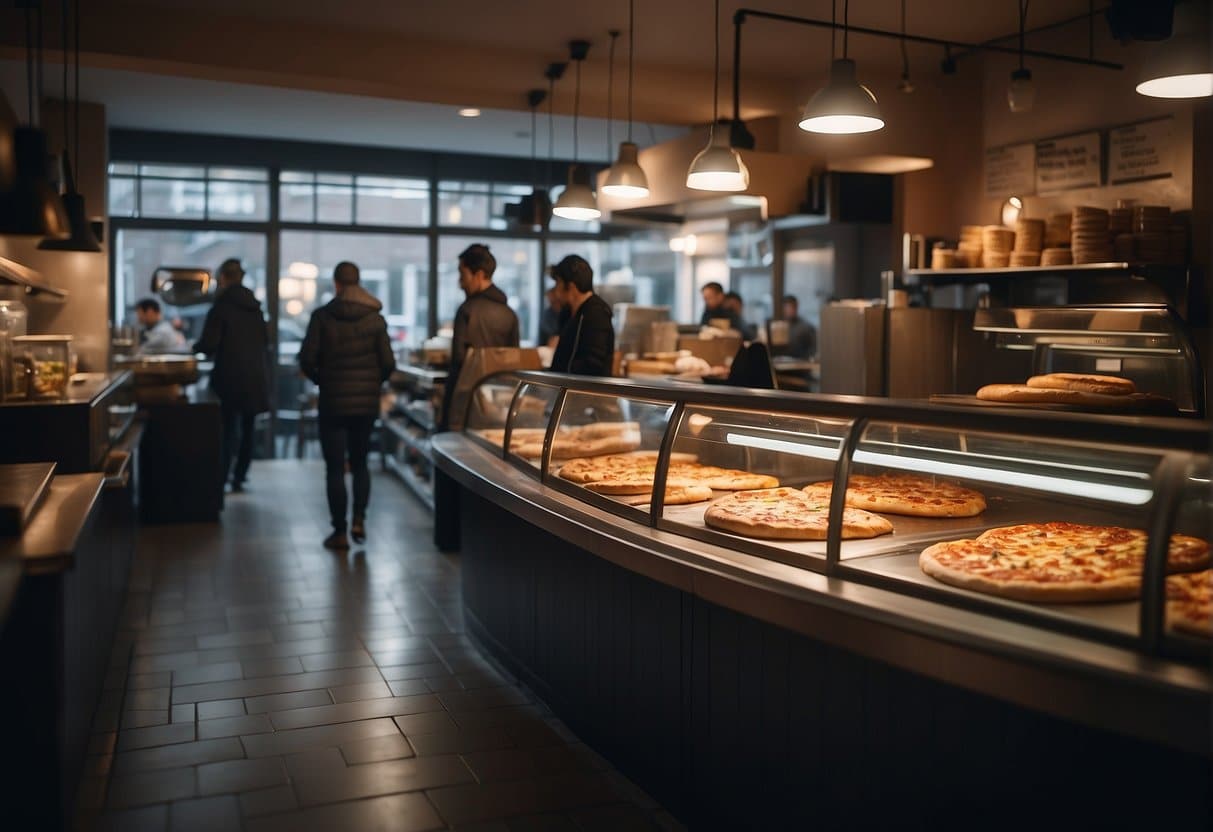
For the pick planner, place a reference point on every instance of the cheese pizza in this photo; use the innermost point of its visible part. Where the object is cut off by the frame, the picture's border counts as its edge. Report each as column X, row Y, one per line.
column 1190, row 603
column 906, row 494
column 1056, row 562
column 787, row 514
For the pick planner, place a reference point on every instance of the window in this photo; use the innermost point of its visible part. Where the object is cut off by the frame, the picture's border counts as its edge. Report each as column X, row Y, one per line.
column 353, row 199
column 394, row 267
column 477, row 204
column 517, row 276
column 188, row 192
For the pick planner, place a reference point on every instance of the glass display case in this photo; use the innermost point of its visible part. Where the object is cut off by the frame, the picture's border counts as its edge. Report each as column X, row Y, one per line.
column 1072, row 523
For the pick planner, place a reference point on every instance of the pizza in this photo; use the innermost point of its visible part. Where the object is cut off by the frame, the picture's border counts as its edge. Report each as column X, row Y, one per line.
column 1056, row 562
column 1087, row 383
column 622, row 474
column 1190, row 602
column 587, row 469
column 905, row 494
column 675, row 495
column 787, row 514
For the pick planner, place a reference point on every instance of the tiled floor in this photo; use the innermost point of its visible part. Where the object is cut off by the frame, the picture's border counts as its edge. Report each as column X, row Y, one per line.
column 262, row 683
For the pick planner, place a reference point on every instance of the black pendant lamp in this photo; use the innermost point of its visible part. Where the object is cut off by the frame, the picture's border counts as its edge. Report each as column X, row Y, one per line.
column 29, row 204
column 535, row 209
column 577, row 201
column 80, row 231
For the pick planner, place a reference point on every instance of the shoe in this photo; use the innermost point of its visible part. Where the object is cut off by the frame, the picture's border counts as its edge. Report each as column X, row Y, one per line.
column 237, row 488
column 358, row 530
column 337, row 541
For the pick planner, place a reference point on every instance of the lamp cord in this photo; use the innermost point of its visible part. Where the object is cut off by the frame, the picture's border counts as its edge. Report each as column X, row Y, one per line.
column 1023, row 22
column 29, row 64
column 611, row 91
column 63, row 30
column 716, row 68
column 905, row 58
column 577, row 108
column 551, row 129
column 631, row 57
column 833, row 29
column 534, row 163
column 76, row 100
column 846, row 16
column 38, row 61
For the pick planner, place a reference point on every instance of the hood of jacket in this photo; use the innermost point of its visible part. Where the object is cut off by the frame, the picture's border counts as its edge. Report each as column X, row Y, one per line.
column 494, row 294
column 354, row 303
column 238, row 295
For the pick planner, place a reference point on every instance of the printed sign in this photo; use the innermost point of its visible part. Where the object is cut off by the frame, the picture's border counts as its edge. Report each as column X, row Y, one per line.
column 1141, row 151
column 1067, row 163
column 1010, row 171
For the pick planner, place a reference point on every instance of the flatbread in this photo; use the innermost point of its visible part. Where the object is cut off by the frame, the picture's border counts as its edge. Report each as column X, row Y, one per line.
column 1056, row 562
column 678, row 495
column 787, row 514
column 1088, row 383
column 1190, row 603
column 906, row 494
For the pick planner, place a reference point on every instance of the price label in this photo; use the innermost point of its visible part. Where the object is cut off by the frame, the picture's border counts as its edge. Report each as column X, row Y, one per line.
column 1010, row 171
column 1141, row 151
column 1068, row 162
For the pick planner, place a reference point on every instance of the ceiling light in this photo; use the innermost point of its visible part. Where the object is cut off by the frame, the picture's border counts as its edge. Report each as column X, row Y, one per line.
column 718, row 167
column 577, row 201
column 625, row 179
column 843, row 105
column 1021, row 92
column 469, row 112
column 1181, row 66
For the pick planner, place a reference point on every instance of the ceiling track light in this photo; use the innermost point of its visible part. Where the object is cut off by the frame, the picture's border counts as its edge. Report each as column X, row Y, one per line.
column 843, row 105
column 1181, row 66
column 718, row 167
column 29, row 205
column 577, row 200
column 80, row 231
column 626, row 178
column 1021, row 92
column 905, row 84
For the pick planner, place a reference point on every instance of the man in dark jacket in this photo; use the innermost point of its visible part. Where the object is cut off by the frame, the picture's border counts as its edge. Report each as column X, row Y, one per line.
column 234, row 336
column 347, row 353
column 587, row 342
column 484, row 319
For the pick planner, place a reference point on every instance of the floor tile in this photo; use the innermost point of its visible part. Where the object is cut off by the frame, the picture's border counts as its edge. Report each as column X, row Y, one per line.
column 320, row 736
column 468, row 803
column 351, row 711
column 237, row 639
column 461, row 740
column 205, row 814
column 275, row 684
column 491, row 766
column 141, row 681
column 427, row 723
column 389, row 747
column 268, row 802
column 369, row 690
column 257, row 668
column 234, row 726
column 181, row 754
column 218, row 708
column 332, row 661
column 412, row 671
column 153, row 736
column 219, row 672
column 147, row 699
column 146, row 787
column 241, row 775
column 285, row 701
column 144, row 719
column 183, row 713
column 388, row 777
column 397, row 812
column 146, row 819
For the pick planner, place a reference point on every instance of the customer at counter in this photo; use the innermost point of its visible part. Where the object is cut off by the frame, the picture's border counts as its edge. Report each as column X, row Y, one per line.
column 484, row 319
column 802, row 336
column 158, row 333
column 715, row 308
column 234, row 336
column 734, row 303
column 587, row 341
column 347, row 353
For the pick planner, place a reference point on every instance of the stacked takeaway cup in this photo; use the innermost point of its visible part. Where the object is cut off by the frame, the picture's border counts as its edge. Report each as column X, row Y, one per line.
column 1152, row 233
column 1057, row 241
column 1090, row 239
column 968, row 253
column 996, row 245
column 1029, row 242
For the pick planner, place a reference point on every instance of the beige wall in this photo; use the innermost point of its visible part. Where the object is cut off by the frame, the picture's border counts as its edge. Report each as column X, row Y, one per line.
column 85, row 311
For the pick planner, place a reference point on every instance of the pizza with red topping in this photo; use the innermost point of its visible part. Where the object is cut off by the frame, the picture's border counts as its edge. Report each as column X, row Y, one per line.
column 787, row 514
column 1190, row 603
column 906, row 494
column 1056, row 562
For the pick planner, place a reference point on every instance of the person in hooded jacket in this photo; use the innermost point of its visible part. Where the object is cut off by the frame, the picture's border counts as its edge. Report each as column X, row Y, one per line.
column 348, row 354
column 234, row 335
column 484, row 319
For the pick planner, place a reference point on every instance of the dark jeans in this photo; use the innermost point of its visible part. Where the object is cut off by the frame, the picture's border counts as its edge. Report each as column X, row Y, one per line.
column 237, row 442
column 341, row 438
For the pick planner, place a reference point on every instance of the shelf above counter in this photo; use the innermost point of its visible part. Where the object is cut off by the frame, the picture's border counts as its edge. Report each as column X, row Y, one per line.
column 1072, row 270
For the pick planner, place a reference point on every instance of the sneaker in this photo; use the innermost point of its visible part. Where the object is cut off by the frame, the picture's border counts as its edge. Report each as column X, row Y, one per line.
column 358, row 530
column 337, row 541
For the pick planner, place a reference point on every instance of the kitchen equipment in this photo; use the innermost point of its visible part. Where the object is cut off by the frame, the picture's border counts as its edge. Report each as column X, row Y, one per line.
column 47, row 363
column 182, row 286
column 156, row 370
column 13, row 319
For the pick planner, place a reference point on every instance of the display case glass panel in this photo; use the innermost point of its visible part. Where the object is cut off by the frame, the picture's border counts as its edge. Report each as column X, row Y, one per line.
column 489, row 410
column 1069, row 502
column 533, row 409
column 737, row 451
column 604, row 450
column 1189, row 597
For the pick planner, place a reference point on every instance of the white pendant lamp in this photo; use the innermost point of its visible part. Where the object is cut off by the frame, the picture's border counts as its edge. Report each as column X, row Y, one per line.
column 1181, row 66
column 626, row 179
column 718, row 167
column 577, row 201
column 843, row 105
column 1021, row 92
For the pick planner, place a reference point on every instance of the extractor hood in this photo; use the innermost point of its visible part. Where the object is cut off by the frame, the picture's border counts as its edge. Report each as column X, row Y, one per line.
column 13, row 272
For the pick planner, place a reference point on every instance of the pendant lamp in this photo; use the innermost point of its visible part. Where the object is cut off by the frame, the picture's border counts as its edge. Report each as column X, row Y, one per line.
column 1181, row 66
column 843, row 105
column 626, row 179
column 534, row 211
column 30, row 205
column 80, row 232
column 718, row 167
column 577, row 200
column 1021, row 93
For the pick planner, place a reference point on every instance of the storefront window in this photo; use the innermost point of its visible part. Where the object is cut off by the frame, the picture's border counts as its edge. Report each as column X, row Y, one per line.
column 189, row 192
column 348, row 199
column 517, row 275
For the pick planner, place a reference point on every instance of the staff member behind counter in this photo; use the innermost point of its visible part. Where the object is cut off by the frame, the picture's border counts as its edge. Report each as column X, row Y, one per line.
column 587, row 341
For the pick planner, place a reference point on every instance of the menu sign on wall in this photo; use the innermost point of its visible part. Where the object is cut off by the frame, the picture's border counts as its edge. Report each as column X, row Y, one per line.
column 1010, row 171
column 1068, row 162
column 1141, row 151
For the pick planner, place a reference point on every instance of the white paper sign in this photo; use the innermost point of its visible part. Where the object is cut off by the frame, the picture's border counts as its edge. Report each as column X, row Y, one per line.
column 1141, row 151
column 1067, row 163
column 1010, row 171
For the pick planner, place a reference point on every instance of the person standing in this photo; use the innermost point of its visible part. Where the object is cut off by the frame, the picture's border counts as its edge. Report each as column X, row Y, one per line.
column 714, row 306
column 159, row 335
column 802, row 337
column 234, row 336
column 348, row 354
column 553, row 318
column 736, row 305
column 587, row 341
column 484, row 319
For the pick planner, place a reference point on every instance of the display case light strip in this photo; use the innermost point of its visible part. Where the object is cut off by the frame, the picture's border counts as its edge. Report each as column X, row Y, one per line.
column 996, row 458
column 1097, row 491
